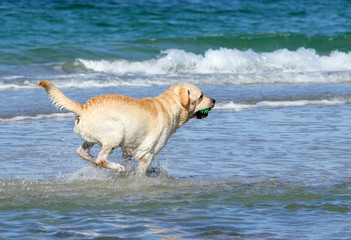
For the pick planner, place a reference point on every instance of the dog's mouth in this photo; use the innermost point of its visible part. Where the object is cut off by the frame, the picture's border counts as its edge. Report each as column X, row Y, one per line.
column 203, row 113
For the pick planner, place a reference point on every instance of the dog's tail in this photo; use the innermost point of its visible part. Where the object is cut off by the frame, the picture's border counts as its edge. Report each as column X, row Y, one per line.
column 59, row 99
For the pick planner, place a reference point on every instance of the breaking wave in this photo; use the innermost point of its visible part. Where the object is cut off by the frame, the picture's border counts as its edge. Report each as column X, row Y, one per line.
column 215, row 67
column 52, row 116
column 232, row 106
column 223, row 60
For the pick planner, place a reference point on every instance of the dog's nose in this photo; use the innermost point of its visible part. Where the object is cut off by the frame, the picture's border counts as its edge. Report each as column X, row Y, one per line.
column 213, row 101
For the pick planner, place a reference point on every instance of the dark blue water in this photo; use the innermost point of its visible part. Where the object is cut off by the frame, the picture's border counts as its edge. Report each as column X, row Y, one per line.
column 272, row 160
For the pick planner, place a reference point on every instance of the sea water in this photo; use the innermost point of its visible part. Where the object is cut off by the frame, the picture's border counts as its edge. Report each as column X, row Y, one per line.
column 271, row 161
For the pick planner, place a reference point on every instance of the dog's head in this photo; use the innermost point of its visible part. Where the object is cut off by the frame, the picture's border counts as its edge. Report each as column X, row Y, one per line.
column 193, row 100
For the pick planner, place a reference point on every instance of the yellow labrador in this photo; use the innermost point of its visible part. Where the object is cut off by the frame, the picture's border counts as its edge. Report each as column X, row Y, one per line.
column 141, row 127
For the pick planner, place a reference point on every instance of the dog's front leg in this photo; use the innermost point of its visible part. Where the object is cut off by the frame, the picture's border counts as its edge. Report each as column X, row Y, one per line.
column 144, row 164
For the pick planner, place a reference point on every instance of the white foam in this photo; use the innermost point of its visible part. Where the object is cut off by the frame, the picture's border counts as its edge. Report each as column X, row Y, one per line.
column 231, row 106
column 15, row 85
column 223, row 60
column 215, row 67
column 38, row 117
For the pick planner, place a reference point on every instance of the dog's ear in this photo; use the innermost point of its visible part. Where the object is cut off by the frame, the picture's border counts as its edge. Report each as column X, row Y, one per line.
column 184, row 97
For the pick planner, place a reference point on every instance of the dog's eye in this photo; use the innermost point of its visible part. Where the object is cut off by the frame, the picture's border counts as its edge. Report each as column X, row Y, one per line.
column 202, row 95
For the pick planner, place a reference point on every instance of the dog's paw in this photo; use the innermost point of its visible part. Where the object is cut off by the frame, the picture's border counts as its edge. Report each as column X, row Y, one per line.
column 116, row 167
column 85, row 154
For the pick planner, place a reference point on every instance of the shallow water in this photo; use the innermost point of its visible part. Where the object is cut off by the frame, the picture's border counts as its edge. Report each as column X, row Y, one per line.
column 271, row 161
column 269, row 171
column 174, row 208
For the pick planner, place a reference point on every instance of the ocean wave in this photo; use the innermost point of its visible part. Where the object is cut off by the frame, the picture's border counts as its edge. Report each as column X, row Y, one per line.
column 86, row 81
column 51, row 116
column 215, row 67
column 224, row 60
column 93, row 80
column 232, row 106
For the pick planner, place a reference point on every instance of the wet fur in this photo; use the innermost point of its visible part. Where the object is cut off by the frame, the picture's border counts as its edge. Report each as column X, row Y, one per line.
column 141, row 127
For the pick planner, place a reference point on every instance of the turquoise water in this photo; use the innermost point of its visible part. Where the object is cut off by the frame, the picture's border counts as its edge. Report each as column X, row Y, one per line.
column 107, row 42
column 272, row 160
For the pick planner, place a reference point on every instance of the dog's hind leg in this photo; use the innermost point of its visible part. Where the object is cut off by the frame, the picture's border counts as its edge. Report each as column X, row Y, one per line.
column 84, row 151
column 102, row 159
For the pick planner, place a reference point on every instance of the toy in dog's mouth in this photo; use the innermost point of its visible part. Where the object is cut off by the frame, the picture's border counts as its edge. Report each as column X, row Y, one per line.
column 203, row 113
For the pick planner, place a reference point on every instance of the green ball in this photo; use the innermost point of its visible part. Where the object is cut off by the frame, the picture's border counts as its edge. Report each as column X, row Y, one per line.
column 206, row 111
